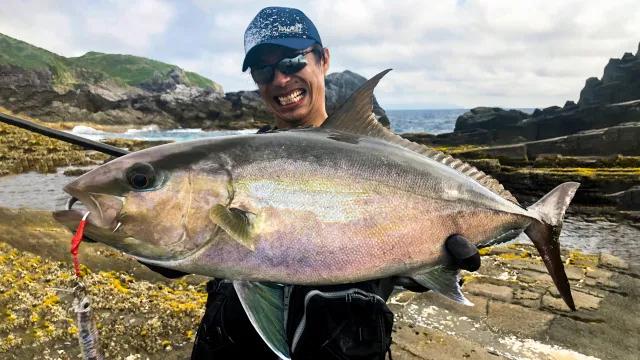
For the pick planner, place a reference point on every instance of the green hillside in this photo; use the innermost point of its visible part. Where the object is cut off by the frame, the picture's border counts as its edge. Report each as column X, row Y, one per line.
column 92, row 67
column 21, row 54
column 133, row 70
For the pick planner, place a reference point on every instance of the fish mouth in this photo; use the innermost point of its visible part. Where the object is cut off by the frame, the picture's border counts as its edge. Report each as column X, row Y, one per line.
column 105, row 210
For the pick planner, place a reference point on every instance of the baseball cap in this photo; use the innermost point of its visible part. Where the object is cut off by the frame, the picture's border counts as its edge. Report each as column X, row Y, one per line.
column 282, row 26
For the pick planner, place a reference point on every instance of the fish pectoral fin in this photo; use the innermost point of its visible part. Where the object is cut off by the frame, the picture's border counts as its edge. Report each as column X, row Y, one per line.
column 444, row 281
column 237, row 223
column 264, row 305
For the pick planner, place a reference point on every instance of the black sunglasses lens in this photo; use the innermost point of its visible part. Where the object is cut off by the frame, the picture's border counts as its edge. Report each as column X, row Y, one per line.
column 292, row 66
column 262, row 75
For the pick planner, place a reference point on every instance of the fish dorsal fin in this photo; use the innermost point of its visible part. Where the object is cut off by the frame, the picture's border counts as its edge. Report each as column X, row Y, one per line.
column 356, row 116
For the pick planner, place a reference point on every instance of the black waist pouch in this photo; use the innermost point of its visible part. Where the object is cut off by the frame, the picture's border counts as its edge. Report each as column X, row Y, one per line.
column 349, row 323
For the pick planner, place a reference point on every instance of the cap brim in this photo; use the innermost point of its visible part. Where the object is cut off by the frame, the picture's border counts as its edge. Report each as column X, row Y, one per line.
column 292, row 43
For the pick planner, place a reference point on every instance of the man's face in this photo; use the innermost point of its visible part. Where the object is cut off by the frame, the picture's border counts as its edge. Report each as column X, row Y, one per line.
column 295, row 99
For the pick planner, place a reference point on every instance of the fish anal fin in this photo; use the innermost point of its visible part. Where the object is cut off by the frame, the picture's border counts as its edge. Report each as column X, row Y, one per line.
column 264, row 305
column 356, row 116
column 444, row 281
column 237, row 223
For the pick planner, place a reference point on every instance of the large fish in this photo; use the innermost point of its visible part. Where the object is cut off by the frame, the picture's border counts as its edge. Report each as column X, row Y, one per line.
column 346, row 202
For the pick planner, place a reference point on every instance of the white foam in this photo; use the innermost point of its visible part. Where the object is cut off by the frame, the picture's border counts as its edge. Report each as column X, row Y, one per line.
column 86, row 130
column 144, row 129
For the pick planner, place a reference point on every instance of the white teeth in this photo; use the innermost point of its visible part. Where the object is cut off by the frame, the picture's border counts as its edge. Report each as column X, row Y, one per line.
column 294, row 96
column 117, row 227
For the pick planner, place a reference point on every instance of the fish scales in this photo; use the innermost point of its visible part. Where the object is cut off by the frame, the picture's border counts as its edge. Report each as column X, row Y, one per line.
column 346, row 212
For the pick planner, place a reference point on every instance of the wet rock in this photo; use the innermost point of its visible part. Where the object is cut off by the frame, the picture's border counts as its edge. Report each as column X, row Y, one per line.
column 526, row 295
column 532, row 277
column 613, row 262
column 628, row 199
column 420, row 344
column 522, row 321
column 75, row 171
column 583, row 301
column 602, row 283
column 573, row 272
column 598, row 274
column 502, row 293
column 488, row 118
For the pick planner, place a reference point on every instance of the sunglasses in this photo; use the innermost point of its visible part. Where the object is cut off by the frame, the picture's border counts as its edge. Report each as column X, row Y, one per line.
column 264, row 75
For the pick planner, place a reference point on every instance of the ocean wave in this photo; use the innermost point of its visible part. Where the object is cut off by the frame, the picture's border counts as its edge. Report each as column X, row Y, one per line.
column 147, row 128
column 192, row 130
column 86, row 130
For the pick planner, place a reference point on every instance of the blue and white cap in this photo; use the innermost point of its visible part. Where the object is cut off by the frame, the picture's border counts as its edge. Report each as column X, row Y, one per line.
column 279, row 26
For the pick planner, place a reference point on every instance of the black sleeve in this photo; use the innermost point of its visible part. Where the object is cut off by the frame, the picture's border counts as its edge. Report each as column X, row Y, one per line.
column 225, row 331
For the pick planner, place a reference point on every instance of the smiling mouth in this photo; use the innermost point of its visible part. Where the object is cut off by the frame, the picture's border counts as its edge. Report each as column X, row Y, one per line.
column 291, row 98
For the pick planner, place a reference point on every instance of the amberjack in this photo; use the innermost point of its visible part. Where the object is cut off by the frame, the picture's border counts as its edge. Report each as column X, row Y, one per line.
column 347, row 202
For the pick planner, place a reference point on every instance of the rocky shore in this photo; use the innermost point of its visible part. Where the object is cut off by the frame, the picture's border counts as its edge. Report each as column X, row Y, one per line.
column 517, row 314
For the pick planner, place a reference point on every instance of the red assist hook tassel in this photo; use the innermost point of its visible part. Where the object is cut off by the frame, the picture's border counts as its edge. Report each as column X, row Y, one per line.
column 75, row 244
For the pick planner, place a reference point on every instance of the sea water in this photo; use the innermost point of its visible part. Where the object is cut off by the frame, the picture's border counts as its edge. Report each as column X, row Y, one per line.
column 402, row 121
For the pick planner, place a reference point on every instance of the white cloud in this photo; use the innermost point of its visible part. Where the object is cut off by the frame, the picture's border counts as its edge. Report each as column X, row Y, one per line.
column 466, row 53
column 131, row 25
column 38, row 23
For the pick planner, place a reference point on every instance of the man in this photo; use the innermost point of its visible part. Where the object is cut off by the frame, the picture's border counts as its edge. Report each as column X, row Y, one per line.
column 288, row 63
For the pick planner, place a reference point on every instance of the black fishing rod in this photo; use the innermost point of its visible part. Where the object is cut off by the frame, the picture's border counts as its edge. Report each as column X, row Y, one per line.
column 61, row 135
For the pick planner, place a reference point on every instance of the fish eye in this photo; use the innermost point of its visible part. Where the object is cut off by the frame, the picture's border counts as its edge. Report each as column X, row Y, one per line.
column 141, row 176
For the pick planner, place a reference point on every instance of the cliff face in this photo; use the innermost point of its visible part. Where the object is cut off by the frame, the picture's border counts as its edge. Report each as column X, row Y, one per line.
column 612, row 101
column 620, row 82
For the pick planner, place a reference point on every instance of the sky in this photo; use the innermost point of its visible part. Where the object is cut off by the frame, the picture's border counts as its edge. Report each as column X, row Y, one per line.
column 445, row 54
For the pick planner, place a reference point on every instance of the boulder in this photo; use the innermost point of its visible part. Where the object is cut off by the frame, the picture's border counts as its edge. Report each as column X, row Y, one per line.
column 489, row 118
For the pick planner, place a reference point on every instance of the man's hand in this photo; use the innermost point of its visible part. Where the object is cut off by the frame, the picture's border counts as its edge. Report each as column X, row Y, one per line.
column 464, row 254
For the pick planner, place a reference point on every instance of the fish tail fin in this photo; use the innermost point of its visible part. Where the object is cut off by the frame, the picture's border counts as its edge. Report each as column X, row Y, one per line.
column 545, row 233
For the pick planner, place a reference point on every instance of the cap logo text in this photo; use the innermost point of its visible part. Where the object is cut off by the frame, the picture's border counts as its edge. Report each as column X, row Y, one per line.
column 297, row 28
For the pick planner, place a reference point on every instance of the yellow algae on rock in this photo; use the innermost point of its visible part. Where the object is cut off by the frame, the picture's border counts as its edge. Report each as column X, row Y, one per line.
column 35, row 309
column 579, row 258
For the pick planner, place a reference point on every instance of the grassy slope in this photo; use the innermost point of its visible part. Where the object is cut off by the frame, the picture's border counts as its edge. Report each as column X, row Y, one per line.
column 133, row 70
column 21, row 54
column 92, row 67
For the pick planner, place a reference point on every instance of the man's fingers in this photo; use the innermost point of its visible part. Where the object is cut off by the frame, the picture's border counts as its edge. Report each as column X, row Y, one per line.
column 464, row 252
